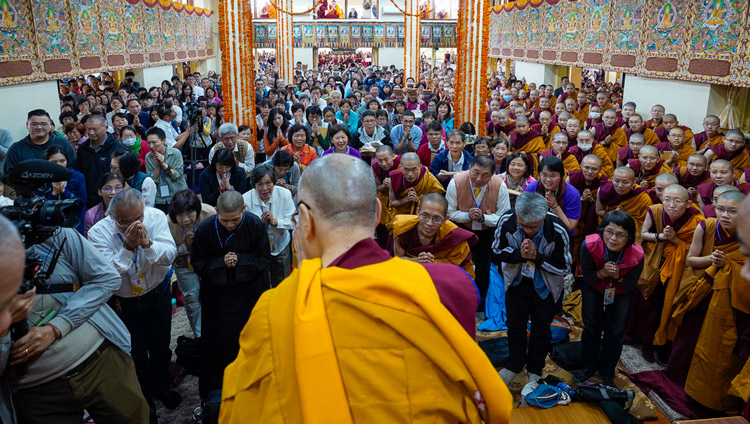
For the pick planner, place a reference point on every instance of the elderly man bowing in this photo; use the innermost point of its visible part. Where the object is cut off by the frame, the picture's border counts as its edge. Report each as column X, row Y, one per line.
column 476, row 200
column 532, row 248
column 137, row 240
column 315, row 343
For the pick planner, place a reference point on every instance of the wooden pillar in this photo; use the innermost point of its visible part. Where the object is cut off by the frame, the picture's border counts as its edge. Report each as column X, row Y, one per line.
column 285, row 40
column 575, row 76
column 412, row 43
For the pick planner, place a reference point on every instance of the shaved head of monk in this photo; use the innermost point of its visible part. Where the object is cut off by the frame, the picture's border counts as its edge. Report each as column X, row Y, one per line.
column 623, row 179
column 591, row 166
column 649, row 157
column 727, row 209
column 722, row 172
column 676, row 201
column 411, row 167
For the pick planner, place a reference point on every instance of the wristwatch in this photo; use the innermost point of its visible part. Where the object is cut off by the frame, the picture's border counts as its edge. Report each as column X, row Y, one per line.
column 150, row 243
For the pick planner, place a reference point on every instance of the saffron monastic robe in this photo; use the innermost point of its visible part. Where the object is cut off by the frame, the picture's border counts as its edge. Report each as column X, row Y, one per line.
column 650, row 176
column 569, row 161
column 648, row 133
column 664, row 262
column 426, row 183
column 588, row 222
column 662, row 133
column 715, row 364
column 531, row 143
column 381, row 174
column 740, row 159
column 701, row 140
column 450, row 246
column 619, row 139
column 685, row 150
column 688, row 180
column 607, row 167
column 635, row 202
column 317, row 348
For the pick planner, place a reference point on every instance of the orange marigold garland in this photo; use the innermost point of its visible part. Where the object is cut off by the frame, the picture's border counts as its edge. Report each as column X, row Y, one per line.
column 485, row 55
column 225, row 61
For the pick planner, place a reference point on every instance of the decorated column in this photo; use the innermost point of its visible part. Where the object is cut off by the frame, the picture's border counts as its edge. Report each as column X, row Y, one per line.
column 237, row 63
column 284, row 39
column 471, row 64
column 412, row 41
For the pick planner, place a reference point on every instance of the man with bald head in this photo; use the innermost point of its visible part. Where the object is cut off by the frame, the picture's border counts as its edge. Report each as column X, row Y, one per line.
column 546, row 127
column 12, row 260
column 722, row 172
column 661, row 182
column 667, row 232
column 710, row 136
column 676, row 150
column 636, row 125
column 624, row 154
column 544, row 105
column 733, row 150
column 525, row 139
column 409, row 183
column 602, row 100
column 430, row 236
column 623, row 193
column 648, row 166
column 383, row 163
column 306, row 335
column 587, row 181
column 505, row 124
column 657, row 115
column 582, row 107
column 717, row 378
column 670, row 121
column 609, row 135
column 560, row 149
column 694, row 173
column 569, row 93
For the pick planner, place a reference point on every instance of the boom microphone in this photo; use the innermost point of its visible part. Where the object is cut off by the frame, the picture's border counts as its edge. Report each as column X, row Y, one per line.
column 34, row 173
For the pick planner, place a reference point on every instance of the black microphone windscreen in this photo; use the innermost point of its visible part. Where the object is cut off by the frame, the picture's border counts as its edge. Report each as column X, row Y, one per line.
column 37, row 172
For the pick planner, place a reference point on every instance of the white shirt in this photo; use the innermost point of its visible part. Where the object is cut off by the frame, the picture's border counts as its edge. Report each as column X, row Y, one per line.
column 168, row 130
column 148, row 190
column 459, row 216
column 153, row 263
column 198, row 91
column 248, row 165
column 282, row 208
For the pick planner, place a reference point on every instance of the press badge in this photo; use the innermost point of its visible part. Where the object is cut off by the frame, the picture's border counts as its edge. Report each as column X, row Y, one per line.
column 138, row 285
column 528, row 270
column 609, row 296
column 476, row 226
column 164, row 190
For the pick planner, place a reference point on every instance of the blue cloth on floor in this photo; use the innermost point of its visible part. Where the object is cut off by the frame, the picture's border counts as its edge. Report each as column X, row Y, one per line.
column 494, row 306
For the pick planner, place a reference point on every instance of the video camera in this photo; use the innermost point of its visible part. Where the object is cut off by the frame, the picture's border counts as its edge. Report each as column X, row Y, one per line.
column 37, row 219
column 194, row 114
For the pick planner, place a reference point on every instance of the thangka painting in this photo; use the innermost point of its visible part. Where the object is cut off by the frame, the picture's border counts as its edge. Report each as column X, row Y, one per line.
column 297, row 33
column 344, row 34
column 426, row 33
column 367, row 33
column 573, row 22
column 519, row 28
column 595, row 37
column 449, row 35
column 86, row 22
column 401, row 32
column 667, row 25
column 716, row 27
column 378, row 34
column 626, row 22
column 112, row 24
column 16, row 37
column 333, row 33
column 533, row 29
column 437, row 33
column 550, row 25
column 52, row 28
column 272, row 32
column 168, row 26
column 308, row 35
column 150, row 22
column 132, row 27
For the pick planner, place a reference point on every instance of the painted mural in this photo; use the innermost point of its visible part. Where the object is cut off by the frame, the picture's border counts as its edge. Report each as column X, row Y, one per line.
column 50, row 39
column 697, row 40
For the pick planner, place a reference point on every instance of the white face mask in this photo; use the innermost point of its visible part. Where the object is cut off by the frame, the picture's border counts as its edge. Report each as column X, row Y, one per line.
column 129, row 142
column 585, row 147
column 595, row 115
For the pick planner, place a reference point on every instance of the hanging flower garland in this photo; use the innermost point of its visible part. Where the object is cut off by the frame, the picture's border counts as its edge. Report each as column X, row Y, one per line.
column 485, row 55
column 248, row 73
column 225, row 63
column 404, row 12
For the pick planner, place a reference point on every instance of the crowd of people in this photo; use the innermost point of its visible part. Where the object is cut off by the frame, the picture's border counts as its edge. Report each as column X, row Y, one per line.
column 353, row 173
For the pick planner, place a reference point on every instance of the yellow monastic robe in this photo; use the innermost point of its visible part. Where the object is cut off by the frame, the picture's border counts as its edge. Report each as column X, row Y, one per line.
column 669, row 272
column 399, row 354
column 685, row 151
column 427, row 184
column 459, row 254
column 714, row 365
column 619, row 139
column 635, row 205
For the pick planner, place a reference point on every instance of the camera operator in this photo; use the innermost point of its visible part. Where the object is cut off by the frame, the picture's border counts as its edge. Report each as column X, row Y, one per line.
column 76, row 349
column 12, row 258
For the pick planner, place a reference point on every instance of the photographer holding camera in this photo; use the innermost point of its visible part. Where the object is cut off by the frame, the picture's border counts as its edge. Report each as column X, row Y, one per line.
column 76, row 349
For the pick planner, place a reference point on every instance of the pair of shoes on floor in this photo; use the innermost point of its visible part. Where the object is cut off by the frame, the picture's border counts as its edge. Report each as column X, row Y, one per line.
column 170, row 399
column 583, row 375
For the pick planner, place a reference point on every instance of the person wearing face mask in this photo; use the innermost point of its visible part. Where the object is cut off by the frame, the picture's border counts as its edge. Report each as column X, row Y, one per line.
column 585, row 145
column 667, row 233
column 130, row 138
column 648, row 166
column 594, row 117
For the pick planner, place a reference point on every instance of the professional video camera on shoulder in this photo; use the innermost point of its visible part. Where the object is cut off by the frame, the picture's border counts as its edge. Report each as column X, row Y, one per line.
column 37, row 219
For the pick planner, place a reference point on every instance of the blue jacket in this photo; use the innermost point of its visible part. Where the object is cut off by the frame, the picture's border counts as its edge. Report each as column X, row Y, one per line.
column 442, row 162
